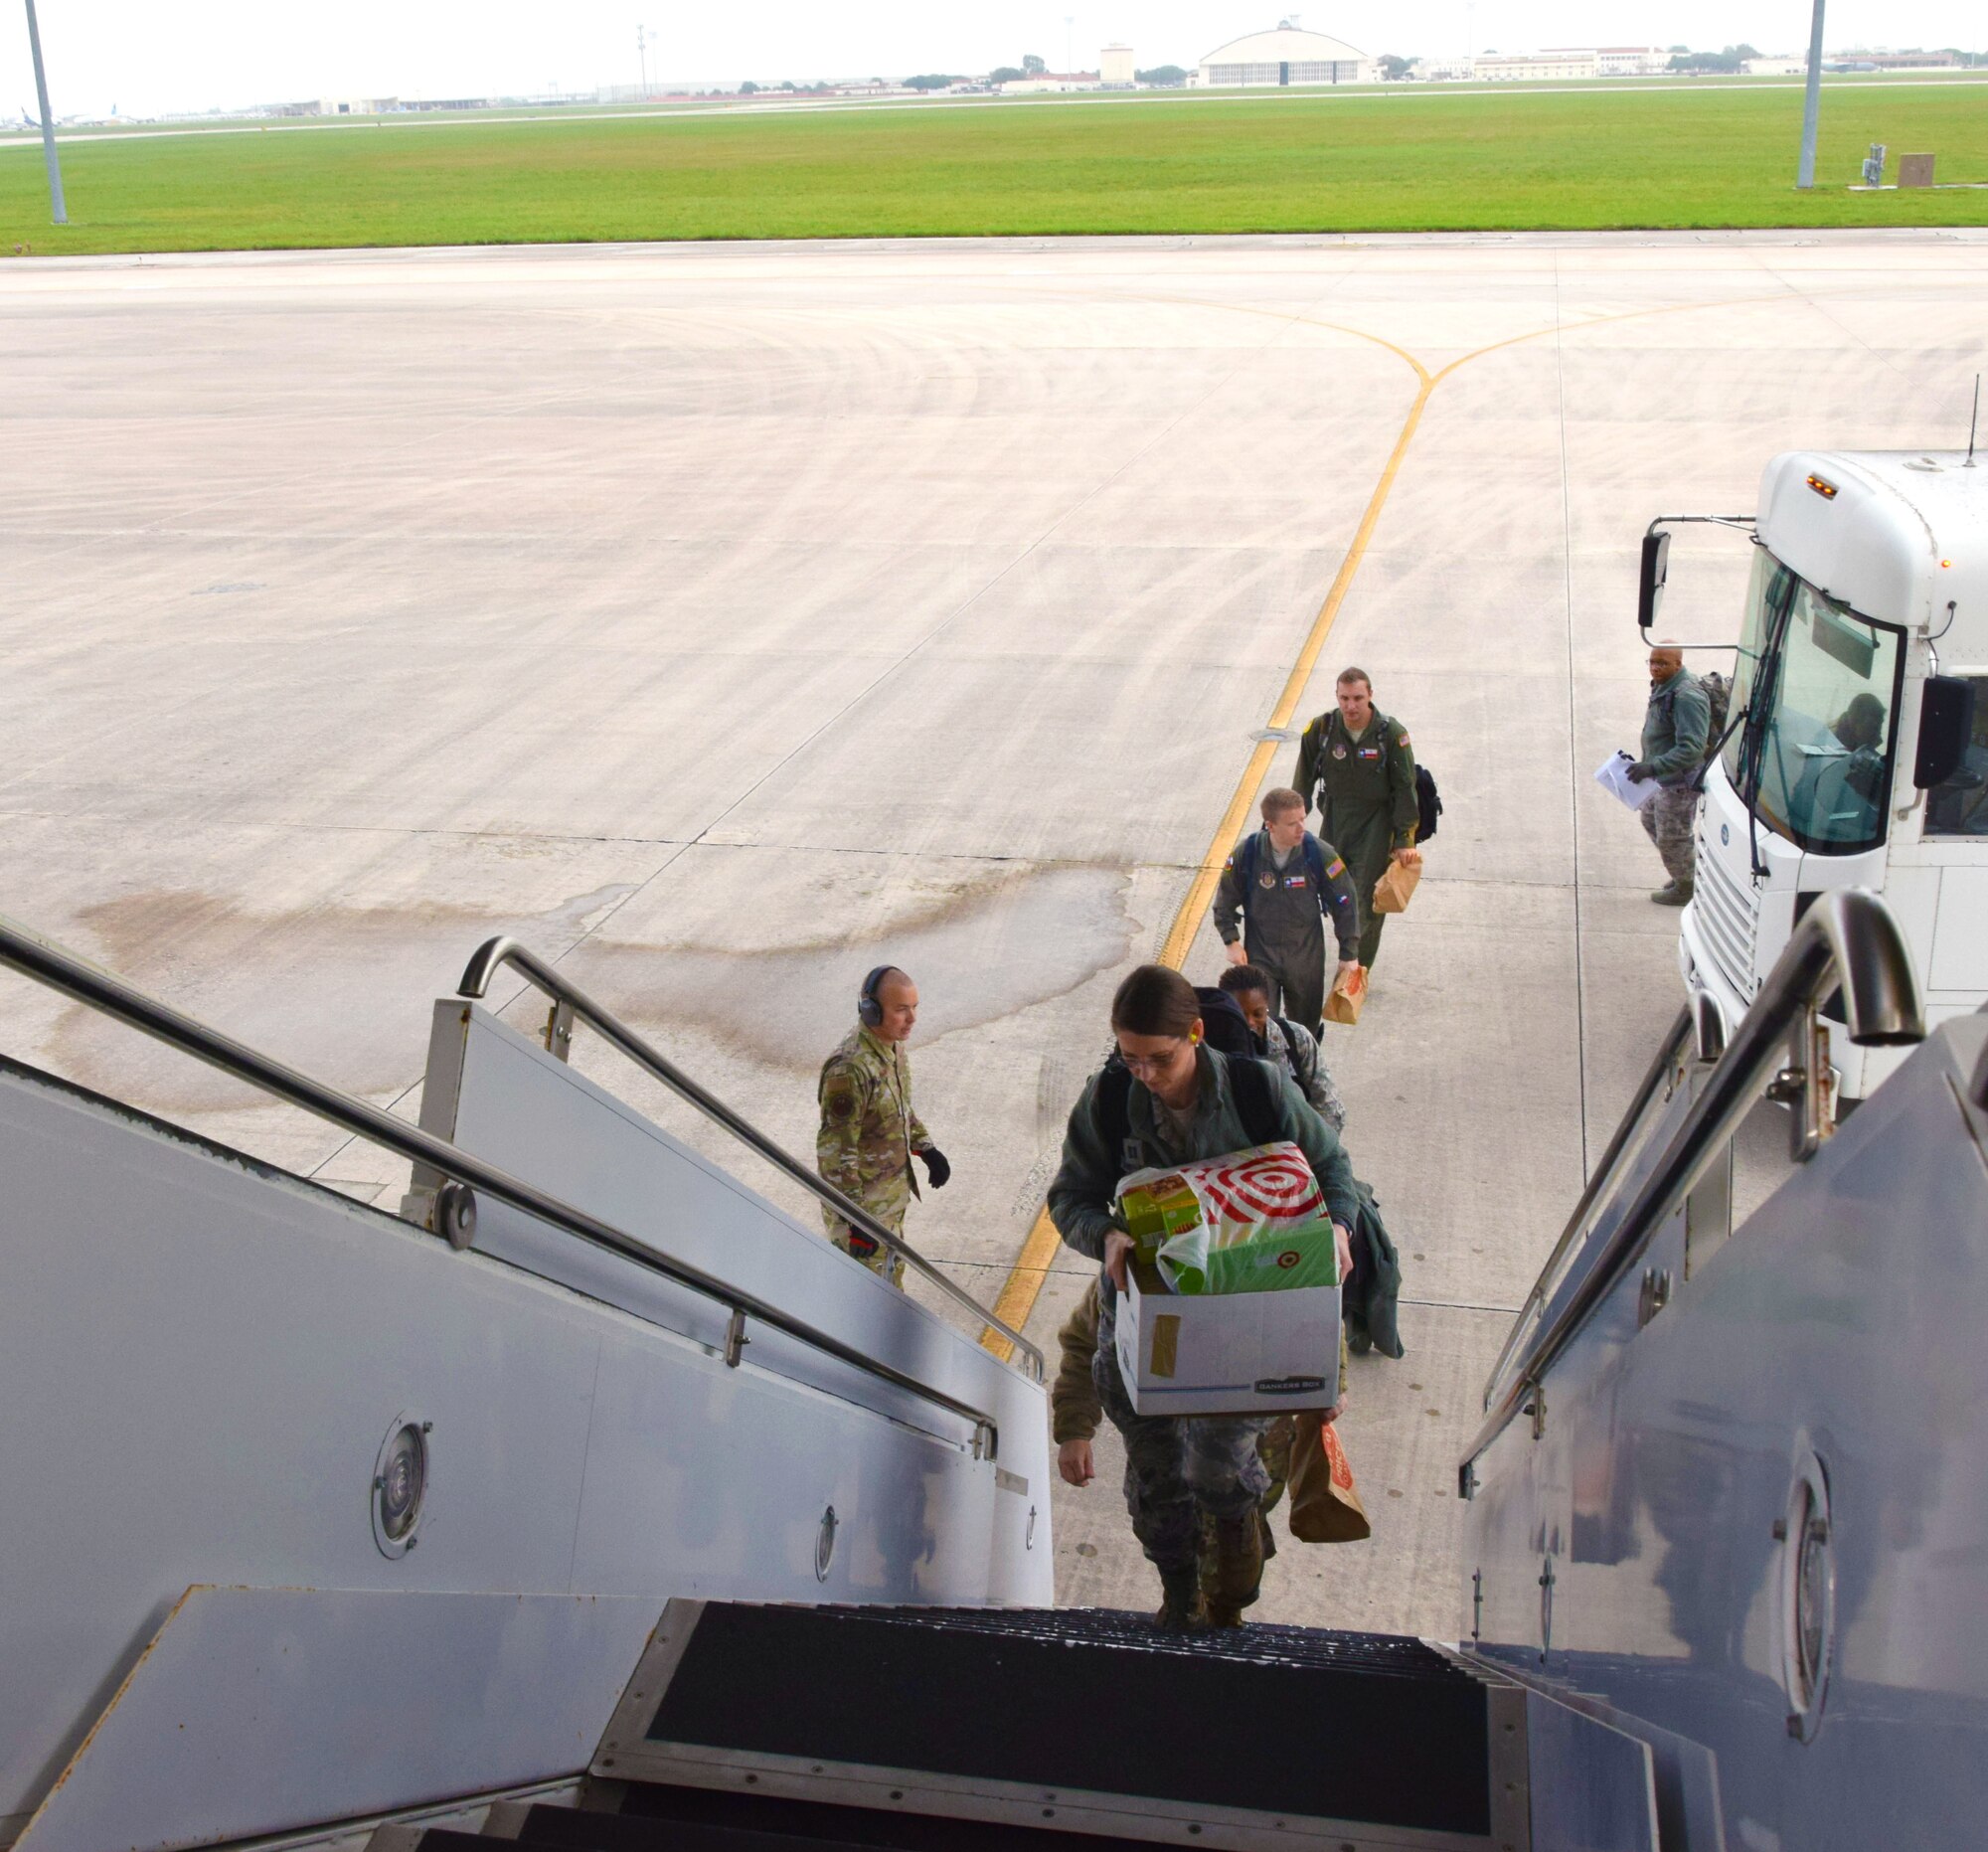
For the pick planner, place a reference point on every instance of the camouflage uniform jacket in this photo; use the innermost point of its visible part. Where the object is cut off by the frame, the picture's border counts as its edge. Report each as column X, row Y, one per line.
column 1293, row 1047
column 869, row 1128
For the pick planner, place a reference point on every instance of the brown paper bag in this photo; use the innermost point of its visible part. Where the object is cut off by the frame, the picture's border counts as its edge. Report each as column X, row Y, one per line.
column 1346, row 998
column 1398, row 882
column 1325, row 1506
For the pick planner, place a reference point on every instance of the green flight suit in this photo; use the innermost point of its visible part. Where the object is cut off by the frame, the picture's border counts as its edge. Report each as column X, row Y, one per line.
column 869, row 1131
column 1284, row 907
column 1365, row 791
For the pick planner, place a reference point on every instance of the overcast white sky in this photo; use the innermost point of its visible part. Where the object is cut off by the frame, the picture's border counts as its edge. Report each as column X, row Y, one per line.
column 153, row 55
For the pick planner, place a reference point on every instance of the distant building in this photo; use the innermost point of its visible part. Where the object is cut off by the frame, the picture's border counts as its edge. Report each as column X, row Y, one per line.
column 1287, row 56
column 1775, row 67
column 1535, row 66
column 1573, row 61
column 1631, row 60
column 1901, row 61
column 1114, row 65
column 1052, row 80
column 1441, row 69
column 342, row 105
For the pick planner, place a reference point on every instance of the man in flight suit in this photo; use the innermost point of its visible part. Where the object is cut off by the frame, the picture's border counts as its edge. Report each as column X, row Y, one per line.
column 1357, row 765
column 869, row 1131
column 1286, row 884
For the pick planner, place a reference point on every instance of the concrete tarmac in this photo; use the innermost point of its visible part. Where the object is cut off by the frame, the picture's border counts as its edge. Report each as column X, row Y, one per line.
column 724, row 620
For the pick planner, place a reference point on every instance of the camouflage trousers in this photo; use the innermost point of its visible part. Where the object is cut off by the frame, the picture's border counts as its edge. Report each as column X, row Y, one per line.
column 1667, row 821
column 872, row 1254
column 1178, row 1467
column 1274, row 1448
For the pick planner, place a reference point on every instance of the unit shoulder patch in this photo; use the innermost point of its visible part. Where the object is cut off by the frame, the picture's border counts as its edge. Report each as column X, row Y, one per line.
column 840, row 1098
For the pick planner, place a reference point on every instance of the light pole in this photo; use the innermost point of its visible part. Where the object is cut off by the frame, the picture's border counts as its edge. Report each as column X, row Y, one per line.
column 55, row 202
column 1812, row 104
column 1068, row 41
column 642, row 51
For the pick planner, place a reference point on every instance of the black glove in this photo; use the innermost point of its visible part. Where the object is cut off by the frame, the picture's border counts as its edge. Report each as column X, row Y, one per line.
column 1640, row 771
column 936, row 1168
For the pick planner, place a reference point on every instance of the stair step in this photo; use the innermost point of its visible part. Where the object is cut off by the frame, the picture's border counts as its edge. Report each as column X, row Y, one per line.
column 1051, row 1706
column 656, row 1818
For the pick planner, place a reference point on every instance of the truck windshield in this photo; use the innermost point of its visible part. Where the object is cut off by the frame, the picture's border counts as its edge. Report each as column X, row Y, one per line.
column 1820, row 688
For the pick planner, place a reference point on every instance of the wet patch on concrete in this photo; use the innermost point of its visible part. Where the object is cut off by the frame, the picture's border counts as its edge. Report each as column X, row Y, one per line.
column 986, row 948
column 343, row 992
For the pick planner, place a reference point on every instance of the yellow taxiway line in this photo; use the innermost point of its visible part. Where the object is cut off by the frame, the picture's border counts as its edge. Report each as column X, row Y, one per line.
column 1024, row 1283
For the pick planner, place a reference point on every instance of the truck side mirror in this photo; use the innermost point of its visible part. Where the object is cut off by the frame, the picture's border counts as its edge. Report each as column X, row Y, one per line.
column 1947, row 725
column 1656, row 563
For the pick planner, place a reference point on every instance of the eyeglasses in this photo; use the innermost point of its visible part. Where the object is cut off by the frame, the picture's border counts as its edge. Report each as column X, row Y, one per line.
column 1142, row 1065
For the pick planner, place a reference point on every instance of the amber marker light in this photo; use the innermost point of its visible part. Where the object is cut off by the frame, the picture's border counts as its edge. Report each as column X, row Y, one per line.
column 1827, row 490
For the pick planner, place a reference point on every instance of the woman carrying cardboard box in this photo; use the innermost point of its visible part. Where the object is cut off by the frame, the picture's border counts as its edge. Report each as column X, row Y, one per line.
column 1165, row 1098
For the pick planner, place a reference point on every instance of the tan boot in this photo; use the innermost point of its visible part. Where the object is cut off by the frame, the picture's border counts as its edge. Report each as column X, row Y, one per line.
column 1238, row 1567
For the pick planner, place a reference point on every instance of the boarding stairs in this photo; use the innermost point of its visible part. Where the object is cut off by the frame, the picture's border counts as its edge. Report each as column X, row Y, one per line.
column 1689, row 1444
column 761, row 1728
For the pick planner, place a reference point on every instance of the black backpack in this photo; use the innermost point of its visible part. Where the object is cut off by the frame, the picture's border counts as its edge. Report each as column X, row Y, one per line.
column 1428, row 804
column 1718, row 729
column 1223, row 1025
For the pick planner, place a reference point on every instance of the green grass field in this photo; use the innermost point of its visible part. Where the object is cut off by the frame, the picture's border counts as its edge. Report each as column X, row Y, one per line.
column 1684, row 156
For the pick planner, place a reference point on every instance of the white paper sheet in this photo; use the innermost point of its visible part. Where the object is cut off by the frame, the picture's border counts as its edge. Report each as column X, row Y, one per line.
column 1612, row 774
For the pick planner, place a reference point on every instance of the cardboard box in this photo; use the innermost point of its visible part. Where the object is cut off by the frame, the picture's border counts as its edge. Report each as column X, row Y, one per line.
column 1242, row 1353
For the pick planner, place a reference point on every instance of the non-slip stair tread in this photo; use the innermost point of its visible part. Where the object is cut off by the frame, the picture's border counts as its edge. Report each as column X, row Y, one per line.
column 1276, row 1720
column 657, row 1817
column 1392, row 1653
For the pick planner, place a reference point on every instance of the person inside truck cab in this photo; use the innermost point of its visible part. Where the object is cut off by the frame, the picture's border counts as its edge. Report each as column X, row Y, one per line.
column 1860, row 729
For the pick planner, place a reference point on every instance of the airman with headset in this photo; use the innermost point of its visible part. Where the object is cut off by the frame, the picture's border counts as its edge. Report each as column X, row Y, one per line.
column 870, row 1131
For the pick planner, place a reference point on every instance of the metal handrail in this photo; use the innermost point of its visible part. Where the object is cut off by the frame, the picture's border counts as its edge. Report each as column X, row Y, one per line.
column 1848, row 939
column 495, row 953
column 49, row 964
column 1601, row 1178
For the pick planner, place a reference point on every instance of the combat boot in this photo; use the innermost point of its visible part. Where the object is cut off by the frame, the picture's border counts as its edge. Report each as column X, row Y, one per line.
column 1238, row 1567
column 1673, row 894
column 1181, row 1609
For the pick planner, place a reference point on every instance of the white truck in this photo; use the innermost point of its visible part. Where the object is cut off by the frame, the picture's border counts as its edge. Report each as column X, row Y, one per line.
column 1856, row 750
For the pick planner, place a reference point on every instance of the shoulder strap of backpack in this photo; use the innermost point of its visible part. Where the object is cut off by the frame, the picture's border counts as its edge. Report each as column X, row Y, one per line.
column 1314, row 863
column 1302, row 1064
column 1255, row 1102
column 1114, row 1105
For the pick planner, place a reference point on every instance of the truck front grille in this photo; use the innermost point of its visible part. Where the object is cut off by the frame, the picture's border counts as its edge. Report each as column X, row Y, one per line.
column 1728, row 917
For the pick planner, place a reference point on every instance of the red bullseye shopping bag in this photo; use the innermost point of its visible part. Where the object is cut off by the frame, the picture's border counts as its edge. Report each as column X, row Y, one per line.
column 1252, row 1222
